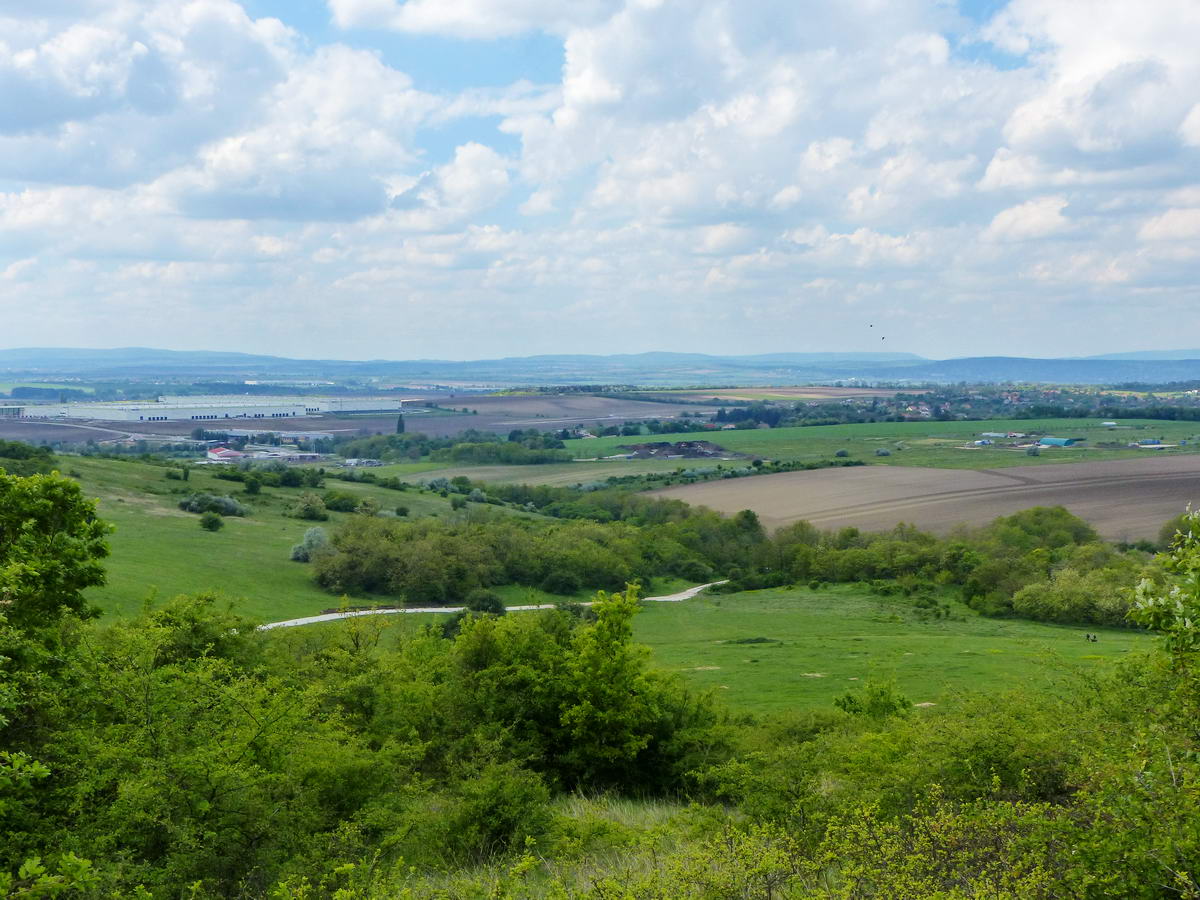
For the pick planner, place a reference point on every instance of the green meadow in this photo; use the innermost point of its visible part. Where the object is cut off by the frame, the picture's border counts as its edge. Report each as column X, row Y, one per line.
column 765, row 651
column 775, row 650
column 553, row 474
column 788, row 649
column 159, row 551
column 927, row 444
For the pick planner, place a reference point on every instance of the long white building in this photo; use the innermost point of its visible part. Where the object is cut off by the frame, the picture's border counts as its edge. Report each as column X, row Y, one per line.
column 216, row 409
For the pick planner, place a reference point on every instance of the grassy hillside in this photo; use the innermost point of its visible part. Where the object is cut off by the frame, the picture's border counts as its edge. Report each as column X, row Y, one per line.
column 934, row 444
column 159, row 550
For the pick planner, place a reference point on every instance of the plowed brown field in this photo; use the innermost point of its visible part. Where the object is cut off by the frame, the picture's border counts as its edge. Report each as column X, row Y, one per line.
column 1122, row 499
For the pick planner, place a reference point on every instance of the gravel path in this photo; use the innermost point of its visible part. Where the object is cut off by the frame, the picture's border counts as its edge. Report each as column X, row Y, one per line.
column 331, row 617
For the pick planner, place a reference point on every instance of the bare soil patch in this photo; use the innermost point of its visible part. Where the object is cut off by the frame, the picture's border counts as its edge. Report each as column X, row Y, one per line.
column 33, row 431
column 1122, row 499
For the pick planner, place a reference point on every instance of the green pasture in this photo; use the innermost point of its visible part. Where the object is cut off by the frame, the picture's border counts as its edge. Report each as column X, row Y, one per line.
column 403, row 471
column 160, row 551
column 820, row 644
column 928, row 444
column 793, row 648
column 560, row 474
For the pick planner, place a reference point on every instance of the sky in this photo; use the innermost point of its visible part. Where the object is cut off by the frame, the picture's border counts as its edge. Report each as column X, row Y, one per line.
column 466, row 179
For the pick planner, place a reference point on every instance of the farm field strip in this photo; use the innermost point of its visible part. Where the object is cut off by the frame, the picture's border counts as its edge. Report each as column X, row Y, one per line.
column 555, row 474
column 1122, row 499
column 930, row 444
column 1007, row 490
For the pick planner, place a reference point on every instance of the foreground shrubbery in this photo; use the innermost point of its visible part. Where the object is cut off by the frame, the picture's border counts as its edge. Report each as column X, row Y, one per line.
column 184, row 748
column 185, row 753
column 188, row 754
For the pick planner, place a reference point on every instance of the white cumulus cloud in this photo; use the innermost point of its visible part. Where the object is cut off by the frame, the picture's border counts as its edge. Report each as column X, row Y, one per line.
column 1037, row 218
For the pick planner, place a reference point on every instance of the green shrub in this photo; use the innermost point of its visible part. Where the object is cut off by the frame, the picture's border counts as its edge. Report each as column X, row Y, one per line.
column 482, row 600
column 315, row 540
column 211, row 521
column 308, row 506
column 562, row 583
column 694, row 570
column 876, row 700
column 340, row 501
column 202, row 503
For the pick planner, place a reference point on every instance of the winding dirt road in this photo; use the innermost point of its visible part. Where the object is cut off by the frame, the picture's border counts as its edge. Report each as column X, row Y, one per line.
column 332, row 617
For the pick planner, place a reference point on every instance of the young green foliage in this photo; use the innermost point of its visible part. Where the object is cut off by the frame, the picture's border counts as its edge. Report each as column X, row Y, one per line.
column 51, row 544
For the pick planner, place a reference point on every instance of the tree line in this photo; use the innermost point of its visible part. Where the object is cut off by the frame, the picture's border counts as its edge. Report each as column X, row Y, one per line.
column 1044, row 564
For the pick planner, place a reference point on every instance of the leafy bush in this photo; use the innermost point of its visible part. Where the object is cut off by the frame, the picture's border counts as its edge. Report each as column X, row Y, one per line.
column 694, row 570
column 202, row 503
column 1181, row 525
column 562, row 583
column 17, row 458
column 876, row 700
column 315, row 540
column 482, row 600
column 308, row 506
column 211, row 521
column 1071, row 596
column 340, row 501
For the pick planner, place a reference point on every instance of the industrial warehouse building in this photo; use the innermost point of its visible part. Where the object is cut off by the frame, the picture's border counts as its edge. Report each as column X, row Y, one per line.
column 213, row 408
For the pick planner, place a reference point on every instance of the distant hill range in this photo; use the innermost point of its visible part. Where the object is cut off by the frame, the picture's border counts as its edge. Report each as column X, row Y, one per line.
column 659, row 369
